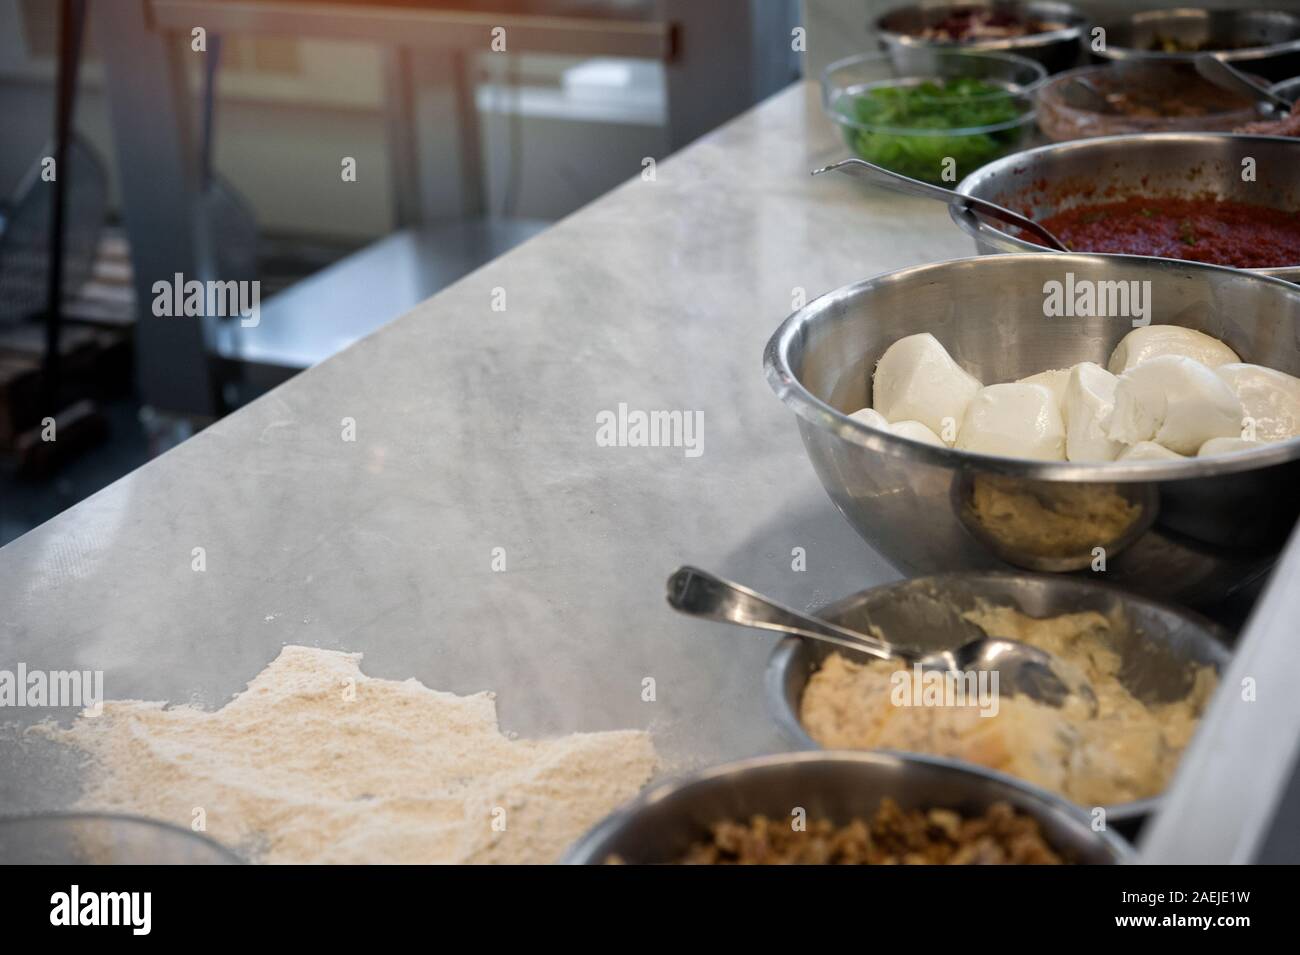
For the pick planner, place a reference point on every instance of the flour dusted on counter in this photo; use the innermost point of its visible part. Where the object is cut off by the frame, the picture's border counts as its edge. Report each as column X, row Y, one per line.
column 317, row 762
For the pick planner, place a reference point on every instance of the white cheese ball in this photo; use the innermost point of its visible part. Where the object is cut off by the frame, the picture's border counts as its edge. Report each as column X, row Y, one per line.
column 1014, row 420
column 871, row 418
column 917, row 380
column 904, row 429
column 1226, row 446
column 1269, row 398
column 917, row 432
column 1174, row 401
column 1149, row 451
column 1054, row 381
column 1089, row 398
column 1152, row 341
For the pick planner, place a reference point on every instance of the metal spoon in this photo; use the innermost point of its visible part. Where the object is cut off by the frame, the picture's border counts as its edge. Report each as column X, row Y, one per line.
column 1226, row 76
column 915, row 187
column 1081, row 86
column 1020, row 667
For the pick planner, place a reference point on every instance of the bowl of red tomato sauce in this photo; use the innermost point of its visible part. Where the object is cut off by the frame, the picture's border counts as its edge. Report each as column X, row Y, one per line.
column 1221, row 198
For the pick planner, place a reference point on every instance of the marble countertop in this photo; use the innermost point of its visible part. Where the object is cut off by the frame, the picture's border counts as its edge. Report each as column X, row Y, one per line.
column 476, row 440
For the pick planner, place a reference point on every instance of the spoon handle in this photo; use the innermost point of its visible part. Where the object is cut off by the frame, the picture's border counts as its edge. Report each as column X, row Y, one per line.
column 698, row 593
column 915, row 187
column 1226, row 76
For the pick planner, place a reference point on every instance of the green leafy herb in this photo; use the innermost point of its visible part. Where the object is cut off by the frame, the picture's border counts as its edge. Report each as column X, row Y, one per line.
column 957, row 104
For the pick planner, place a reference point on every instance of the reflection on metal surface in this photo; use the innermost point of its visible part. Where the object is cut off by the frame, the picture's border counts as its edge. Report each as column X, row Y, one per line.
column 1047, row 526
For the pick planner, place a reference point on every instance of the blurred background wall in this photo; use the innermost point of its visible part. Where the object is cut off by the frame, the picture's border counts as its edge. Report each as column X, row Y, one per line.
column 285, row 100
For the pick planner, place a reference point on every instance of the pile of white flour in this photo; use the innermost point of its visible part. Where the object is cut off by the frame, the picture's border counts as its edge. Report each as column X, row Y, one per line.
column 317, row 762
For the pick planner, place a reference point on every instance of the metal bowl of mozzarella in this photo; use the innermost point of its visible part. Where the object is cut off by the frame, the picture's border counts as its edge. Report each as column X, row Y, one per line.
column 1195, row 530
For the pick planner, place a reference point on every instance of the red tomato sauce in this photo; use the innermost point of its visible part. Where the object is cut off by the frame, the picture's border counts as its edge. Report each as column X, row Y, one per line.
column 1204, row 230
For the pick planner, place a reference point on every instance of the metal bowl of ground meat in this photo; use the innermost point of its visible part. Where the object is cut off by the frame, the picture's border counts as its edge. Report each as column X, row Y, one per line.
column 847, row 808
column 1165, row 660
column 1220, row 198
column 1043, row 30
column 1266, row 42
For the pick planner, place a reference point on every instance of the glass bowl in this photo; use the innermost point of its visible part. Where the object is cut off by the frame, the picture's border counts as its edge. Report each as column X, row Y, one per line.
column 1137, row 97
column 934, row 115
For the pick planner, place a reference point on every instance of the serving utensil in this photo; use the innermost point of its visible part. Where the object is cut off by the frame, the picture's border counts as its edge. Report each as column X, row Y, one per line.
column 1226, row 76
column 1160, row 646
column 915, row 187
column 1020, row 667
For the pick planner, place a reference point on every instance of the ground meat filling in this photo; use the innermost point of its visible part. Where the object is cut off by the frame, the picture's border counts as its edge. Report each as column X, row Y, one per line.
column 1001, row 836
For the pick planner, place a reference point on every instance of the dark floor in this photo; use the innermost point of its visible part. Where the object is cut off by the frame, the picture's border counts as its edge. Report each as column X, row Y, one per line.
column 136, row 435
column 26, row 503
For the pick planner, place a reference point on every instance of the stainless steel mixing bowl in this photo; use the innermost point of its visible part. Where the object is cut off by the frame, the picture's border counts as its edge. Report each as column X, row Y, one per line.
column 1266, row 42
column 101, row 838
column 1158, row 644
column 1055, row 49
column 661, row 824
column 1039, row 182
column 1192, row 530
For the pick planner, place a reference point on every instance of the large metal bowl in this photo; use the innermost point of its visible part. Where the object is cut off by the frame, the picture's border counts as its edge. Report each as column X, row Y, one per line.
column 662, row 823
column 1056, row 49
column 1196, row 530
column 100, row 838
column 1266, row 42
column 1158, row 644
column 1039, row 182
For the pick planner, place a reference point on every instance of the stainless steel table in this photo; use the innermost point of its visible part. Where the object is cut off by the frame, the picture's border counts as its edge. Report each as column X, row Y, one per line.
column 475, row 430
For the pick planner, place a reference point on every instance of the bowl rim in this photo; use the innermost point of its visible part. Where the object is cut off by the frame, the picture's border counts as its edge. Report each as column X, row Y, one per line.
column 813, row 410
column 74, row 815
column 583, row 850
column 1076, row 21
column 782, row 655
column 1245, row 54
column 1023, row 117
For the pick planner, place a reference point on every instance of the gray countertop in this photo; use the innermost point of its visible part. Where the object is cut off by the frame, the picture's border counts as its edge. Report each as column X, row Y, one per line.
column 476, row 430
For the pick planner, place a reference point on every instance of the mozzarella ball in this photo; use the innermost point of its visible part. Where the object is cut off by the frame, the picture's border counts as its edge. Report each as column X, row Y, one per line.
column 1148, row 451
column 1014, row 420
column 871, row 418
column 1089, row 398
column 1174, row 401
column 917, row 380
column 1227, row 446
column 917, row 432
column 1152, row 341
column 1054, row 381
column 1269, row 398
